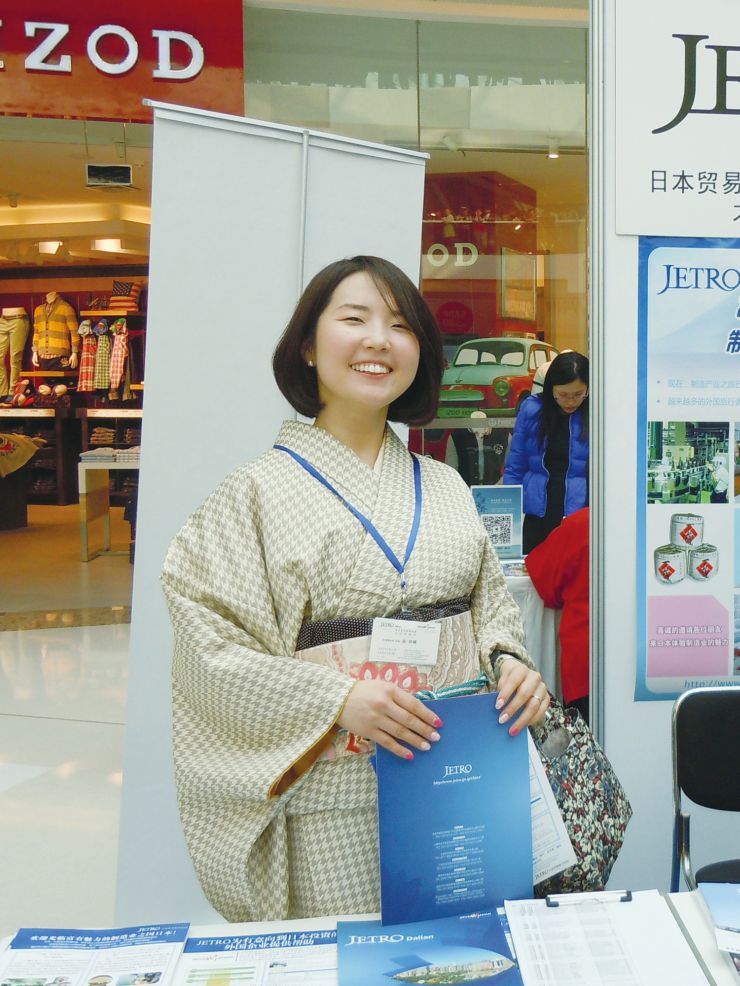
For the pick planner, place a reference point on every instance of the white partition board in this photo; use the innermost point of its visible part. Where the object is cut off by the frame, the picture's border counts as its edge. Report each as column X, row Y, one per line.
column 637, row 735
column 236, row 206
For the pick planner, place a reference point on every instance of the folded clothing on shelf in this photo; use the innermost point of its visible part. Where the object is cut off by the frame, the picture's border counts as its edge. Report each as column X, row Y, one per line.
column 102, row 436
column 104, row 454
column 43, row 484
column 107, row 454
column 129, row 454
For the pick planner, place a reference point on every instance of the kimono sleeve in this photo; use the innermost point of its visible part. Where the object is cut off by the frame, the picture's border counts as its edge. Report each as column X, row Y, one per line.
column 244, row 709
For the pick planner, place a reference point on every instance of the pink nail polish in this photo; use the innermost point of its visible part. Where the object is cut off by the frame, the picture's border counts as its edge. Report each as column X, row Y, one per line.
column 514, row 731
column 437, row 722
column 409, row 755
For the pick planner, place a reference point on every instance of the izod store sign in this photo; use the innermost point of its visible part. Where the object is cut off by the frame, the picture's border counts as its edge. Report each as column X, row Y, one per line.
column 99, row 61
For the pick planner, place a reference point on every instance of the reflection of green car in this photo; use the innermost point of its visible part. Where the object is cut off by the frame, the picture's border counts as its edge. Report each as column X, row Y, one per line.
column 492, row 375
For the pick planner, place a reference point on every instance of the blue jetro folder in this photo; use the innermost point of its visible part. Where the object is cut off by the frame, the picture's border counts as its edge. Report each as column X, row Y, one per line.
column 470, row 949
column 500, row 509
column 455, row 823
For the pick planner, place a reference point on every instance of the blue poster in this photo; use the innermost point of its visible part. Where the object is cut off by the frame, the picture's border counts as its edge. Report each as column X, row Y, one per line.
column 500, row 509
column 471, row 949
column 455, row 823
column 688, row 614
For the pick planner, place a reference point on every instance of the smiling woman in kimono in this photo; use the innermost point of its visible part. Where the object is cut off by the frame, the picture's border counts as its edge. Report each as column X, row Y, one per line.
column 273, row 584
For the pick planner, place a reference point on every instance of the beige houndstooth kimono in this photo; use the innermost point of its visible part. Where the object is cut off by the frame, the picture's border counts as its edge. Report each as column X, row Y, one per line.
column 270, row 549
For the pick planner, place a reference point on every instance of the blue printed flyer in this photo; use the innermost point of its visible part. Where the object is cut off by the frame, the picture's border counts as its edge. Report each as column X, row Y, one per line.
column 135, row 956
column 469, row 949
column 279, row 957
column 500, row 509
column 455, row 823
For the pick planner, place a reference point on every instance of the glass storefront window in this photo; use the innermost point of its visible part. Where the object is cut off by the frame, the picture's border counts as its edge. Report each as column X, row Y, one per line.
column 501, row 110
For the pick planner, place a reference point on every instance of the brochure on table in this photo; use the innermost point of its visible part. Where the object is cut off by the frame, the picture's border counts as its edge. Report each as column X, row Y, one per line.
column 607, row 938
column 135, row 956
column 500, row 509
column 282, row 958
column 455, row 823
column 465, row 949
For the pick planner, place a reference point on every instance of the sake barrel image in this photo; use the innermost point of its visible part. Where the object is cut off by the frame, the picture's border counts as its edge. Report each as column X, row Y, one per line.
column 670, row 564
column 687, row 529
column 703, row 562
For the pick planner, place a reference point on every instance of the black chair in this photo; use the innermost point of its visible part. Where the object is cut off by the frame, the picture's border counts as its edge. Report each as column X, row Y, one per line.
column 706, row 769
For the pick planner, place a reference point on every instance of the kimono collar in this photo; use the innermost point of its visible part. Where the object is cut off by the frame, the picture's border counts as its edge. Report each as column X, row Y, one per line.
column 336, row 461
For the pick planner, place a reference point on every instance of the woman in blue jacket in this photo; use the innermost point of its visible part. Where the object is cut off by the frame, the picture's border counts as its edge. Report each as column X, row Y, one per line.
column 549, row 449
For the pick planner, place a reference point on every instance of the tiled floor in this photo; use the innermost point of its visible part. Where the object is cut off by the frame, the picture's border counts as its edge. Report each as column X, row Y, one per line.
column 41, row 568
column 63, row 672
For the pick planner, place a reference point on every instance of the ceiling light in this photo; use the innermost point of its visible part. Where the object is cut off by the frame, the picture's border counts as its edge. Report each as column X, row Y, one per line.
column 553, row 148
column 106, row 246
column 517, row 227
column 49, row 246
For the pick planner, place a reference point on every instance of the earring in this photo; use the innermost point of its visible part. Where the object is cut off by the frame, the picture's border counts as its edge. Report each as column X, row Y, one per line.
column 310, row 362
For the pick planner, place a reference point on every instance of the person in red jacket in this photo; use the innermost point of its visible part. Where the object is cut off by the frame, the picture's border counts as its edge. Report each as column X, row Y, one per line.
column 558, row 568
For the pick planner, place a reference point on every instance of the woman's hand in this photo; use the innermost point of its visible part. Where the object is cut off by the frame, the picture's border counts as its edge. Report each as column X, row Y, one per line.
column 521, row 690
column 383, row 712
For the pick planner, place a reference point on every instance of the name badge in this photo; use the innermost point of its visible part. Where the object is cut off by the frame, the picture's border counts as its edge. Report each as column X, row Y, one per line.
column 405, row 642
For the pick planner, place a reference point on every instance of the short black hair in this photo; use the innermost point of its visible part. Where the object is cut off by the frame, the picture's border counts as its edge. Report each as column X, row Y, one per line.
column 298, row 382
column 565, row 368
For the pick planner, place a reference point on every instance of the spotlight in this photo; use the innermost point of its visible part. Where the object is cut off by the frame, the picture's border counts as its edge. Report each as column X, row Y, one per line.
column 49, row 247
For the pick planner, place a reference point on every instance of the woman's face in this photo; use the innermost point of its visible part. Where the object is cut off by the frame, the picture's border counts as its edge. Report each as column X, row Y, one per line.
column 570, row 396
column 365, row 354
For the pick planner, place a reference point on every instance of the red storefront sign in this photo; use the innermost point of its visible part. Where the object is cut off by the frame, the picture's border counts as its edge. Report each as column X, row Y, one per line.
column 99, row 61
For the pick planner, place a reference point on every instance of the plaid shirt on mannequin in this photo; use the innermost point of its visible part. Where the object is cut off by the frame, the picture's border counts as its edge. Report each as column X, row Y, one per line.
column 86, row 379
column 119, row 352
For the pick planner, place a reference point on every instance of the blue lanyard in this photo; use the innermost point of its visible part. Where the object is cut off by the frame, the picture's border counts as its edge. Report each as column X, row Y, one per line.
column 374, row 533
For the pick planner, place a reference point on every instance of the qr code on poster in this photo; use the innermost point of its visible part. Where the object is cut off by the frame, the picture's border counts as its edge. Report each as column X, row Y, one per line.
column 499, row 528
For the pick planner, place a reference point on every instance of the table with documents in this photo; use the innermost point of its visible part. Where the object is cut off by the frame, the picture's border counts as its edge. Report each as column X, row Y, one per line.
column 647, row 940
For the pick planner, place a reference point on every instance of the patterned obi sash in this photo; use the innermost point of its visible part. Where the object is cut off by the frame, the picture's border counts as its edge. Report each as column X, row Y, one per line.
column 344, row 644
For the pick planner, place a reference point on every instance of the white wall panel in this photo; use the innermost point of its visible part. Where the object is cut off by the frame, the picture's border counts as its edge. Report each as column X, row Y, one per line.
column 232, row 201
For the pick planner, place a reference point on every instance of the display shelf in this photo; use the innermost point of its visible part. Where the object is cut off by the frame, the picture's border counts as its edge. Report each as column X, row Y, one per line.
column 97, row 495
column 59, row 457
column 118, row 418
column 110, row 313
column 116, row 412
column 32, row 374
column 30, row 412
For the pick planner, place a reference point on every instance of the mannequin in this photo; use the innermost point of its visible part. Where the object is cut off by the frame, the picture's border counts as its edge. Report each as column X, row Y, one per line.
column 55, row 342
column 14, row 329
